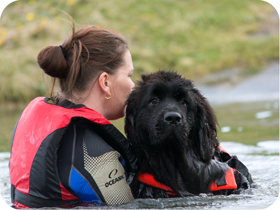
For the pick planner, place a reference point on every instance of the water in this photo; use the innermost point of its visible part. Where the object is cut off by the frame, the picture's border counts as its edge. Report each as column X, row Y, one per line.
column 259, row 87
column 262, row 161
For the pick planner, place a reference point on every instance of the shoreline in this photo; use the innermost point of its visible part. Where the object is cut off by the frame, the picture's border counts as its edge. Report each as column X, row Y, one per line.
column 263, row 86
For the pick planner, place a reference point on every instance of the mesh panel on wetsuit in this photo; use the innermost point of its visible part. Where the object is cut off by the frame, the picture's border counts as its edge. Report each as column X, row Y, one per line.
column 109, row 176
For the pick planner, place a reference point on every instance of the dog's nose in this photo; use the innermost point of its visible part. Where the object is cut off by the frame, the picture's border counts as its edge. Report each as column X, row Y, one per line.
column 172, row 118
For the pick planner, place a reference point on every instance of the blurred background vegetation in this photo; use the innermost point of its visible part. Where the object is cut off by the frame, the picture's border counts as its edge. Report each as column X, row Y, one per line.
column 193, row 37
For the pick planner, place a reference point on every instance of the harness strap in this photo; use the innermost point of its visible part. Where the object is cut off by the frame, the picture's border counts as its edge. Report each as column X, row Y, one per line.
column 36, row 202
column 226, row 183
column 221, row 148
column 150, row 180
column 229, row 184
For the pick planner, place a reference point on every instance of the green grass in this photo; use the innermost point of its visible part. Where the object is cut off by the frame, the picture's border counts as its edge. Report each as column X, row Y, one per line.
column 238, row 116
column 192, row 37
column 9, row 116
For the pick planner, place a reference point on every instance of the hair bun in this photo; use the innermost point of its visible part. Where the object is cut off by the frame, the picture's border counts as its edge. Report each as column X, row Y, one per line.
column 52, row 61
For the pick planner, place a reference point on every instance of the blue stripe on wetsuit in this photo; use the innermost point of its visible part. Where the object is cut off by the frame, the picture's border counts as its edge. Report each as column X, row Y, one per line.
column 82, row 189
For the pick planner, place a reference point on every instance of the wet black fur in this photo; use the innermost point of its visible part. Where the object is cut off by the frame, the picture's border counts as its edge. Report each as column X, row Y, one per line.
column 182, row 156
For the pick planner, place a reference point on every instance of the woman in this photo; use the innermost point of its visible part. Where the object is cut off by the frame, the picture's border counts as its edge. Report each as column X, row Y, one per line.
column 64, row 149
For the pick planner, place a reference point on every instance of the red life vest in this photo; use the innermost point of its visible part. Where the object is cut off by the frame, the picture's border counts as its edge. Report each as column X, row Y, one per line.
column 229, row 178
column 34, row 145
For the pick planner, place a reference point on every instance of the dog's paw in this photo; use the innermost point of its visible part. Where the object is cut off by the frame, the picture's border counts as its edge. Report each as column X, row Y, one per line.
column 241, row 180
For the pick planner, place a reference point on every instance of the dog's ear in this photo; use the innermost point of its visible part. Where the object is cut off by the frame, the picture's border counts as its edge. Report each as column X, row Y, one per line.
column 145, row 77
column 129, row 119
column 129, row 127
column 205, row 127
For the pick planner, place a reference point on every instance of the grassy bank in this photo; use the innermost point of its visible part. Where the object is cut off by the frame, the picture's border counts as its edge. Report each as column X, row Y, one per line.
column 193, row 37
column 244, row 125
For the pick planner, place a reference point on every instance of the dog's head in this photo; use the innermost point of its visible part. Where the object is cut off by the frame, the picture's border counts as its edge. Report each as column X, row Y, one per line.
column 166, row 110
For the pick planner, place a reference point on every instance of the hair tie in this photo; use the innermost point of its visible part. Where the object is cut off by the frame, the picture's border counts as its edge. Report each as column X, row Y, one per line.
column 63, row 51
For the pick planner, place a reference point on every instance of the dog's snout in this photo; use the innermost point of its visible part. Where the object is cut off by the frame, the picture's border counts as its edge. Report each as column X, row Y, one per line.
column 172, row 118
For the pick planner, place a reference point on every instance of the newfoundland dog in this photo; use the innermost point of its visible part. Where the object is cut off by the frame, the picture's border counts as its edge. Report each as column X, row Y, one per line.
column 172, row 129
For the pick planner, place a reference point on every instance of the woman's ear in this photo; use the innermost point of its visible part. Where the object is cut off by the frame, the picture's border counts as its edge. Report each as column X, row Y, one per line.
column 103, row 81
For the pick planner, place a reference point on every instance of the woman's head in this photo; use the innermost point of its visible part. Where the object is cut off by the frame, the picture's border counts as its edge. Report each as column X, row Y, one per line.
column 81, row 59
column 118, row 88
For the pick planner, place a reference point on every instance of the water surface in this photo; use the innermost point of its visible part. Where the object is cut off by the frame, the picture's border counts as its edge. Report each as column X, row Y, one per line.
column 262, row 161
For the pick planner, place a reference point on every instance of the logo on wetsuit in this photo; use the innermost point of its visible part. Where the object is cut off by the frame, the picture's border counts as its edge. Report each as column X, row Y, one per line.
column 115, row 180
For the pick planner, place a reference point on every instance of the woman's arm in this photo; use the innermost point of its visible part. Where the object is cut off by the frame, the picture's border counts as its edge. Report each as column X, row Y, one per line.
column 94, row 170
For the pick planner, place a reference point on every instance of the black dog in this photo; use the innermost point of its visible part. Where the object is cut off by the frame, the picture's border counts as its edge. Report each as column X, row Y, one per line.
column 172, row 129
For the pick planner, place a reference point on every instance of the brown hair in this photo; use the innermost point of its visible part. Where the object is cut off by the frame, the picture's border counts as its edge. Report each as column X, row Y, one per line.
column 81, row 58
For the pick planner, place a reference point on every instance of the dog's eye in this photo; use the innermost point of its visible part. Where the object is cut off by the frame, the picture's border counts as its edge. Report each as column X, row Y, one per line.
column 154, row 101
column 184, row 102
